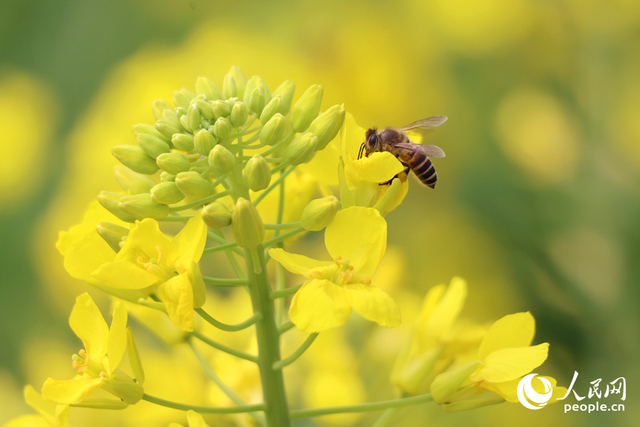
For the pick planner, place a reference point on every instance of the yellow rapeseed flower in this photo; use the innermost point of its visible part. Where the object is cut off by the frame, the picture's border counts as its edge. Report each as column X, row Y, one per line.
column 97, row 364
column 50, row 414
column 362, row 177
column 505, row 355
column 356, row 240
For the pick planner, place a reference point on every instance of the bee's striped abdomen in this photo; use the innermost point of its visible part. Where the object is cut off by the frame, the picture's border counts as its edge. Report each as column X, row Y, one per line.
column 423, row 168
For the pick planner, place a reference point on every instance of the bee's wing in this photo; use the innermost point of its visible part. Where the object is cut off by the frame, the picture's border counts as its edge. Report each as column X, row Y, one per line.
column 425, row 125
column 429, row 150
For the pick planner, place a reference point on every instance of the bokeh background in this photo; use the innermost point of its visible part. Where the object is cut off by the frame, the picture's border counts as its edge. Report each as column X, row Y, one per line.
column 537, row 205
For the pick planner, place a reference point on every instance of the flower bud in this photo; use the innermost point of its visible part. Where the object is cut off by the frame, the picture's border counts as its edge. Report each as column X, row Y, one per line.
column 239, row 114
column 204, row 141
column 181, row 99
column 110, row 202
column 193, row 185
column 229, row 89
column 179, row 112
column 152, row 145
column 141, row 206
column 216, row 216
column 167, row 128
column 166, row 176
column 246, row 225
column 193, row 118
column 254, row 83
column 447, row 383
column 133, row 182
column 172, row 116
column 257, row 174
column 221, row 160
column 121, row 385
column 222, row 128
column 174, row 163
column 232, row 101
column 221, row 108
column 150, row 129
column 197, row 284
column 133, row 157
column 207, row 88
column 241, row 81
column 319, row 213
column 327, row 125
column 159, row 105
column 182, row 141
column 301, row 149
column 286, row 90
column 112, row 234
column 273, row 131
column 276, row 105
column 166, row 193
column 205, row 109
column 307, row 108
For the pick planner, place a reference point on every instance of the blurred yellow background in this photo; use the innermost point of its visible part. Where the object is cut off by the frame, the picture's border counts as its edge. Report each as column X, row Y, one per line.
column 537, row 204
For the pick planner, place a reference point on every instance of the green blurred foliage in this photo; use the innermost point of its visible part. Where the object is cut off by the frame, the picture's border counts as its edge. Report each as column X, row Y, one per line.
column 537, row 203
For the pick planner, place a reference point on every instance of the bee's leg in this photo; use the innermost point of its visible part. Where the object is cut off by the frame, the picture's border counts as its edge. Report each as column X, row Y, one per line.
column 402, row 176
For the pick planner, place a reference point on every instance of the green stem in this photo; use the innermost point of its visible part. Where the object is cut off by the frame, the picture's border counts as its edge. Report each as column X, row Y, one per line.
column 364, row 407
column 240, row 409
column 280, row 279
column 296, row 354
column 218, row 248
column 225, row 388
column 277, row 182
column 226, row 327
column 388, row 414
column 201, row 202
column 225, row 348
column 282, row 237
column 281, row 293
column 286, row 327
column 225, row 282
column 286, row 226
column 282, row 143
column 219, row 237
column 275, row 398
column 176, row 218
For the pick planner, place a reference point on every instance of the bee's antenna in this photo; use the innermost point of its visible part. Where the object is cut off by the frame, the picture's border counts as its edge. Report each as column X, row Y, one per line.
column 360, row 152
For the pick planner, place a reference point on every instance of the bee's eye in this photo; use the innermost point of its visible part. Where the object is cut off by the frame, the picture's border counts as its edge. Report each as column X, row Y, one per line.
column 373, row 139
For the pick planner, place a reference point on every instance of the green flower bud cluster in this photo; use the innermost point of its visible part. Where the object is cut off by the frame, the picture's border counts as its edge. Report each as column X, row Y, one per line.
column 203, row 134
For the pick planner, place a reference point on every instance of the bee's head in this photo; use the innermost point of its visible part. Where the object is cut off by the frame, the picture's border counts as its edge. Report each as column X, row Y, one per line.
column 371, row 143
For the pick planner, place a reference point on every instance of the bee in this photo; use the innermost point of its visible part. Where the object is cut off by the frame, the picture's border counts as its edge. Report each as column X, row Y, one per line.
column 413, row 156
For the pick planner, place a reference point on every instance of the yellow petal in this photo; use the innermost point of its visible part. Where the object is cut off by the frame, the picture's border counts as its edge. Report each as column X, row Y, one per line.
column 378, row 167
column 510, row 363
column 125, row 275
column 94, row 215
column 404, row 189
column 117, row 336
column 299, row 264
column 190, row 241
column 319, row 305
column 177, row 295
column 35, row 400
column 373, row 304
column 351, row 136
column 89, row 325
column 360, row 235
column 86, row 254
column 70, row 391
column 28, row 421
column 62, row 416
column 509, row 389
column 195, row 419
column 146, row 241
column 446, row 312
column 513, row 330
